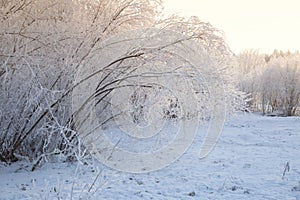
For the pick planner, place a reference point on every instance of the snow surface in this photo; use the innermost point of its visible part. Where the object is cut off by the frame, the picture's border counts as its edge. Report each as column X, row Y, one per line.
column 256, row 158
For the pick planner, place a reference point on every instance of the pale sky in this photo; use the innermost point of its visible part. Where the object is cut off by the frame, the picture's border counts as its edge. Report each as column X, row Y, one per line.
column 258, row 24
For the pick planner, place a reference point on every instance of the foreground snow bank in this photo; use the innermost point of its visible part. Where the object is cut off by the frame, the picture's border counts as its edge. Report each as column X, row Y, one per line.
column 256, row 158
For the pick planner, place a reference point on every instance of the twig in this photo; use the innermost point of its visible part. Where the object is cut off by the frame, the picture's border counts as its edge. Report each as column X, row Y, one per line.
column 286, row 169
column 94, row 181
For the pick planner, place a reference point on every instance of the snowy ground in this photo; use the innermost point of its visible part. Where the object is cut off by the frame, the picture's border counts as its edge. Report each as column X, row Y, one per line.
column 248, row 163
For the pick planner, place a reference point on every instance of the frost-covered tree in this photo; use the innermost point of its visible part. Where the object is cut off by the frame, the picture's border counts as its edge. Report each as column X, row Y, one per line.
column 44, row 43
column 280, row 86
column 271, row 80
column 248, row 66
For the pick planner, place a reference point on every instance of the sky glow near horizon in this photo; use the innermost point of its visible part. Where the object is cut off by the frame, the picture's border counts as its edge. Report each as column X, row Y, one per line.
column 253, row 24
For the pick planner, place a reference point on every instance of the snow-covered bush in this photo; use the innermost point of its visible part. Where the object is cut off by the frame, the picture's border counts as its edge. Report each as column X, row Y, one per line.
column 42, row 45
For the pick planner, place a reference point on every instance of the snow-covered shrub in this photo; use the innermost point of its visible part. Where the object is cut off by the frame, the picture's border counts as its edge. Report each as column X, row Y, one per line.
column 42, row 45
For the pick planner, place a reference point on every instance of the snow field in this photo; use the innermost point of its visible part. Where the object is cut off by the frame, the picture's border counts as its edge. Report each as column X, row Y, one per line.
column 256, row 158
